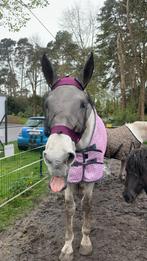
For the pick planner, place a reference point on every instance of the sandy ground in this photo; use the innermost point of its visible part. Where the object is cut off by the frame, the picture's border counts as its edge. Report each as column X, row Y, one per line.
column 119, row 230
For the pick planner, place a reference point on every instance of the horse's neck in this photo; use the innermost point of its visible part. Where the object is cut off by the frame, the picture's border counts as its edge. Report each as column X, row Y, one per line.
column 86, row 137
column 139, row 130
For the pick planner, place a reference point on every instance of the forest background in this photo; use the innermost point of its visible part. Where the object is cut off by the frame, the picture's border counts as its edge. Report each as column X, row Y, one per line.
column 117, row 34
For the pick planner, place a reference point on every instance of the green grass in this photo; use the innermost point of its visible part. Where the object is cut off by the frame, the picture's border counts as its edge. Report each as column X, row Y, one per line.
column 19, row 207
column 16, row 119
column 12, row 183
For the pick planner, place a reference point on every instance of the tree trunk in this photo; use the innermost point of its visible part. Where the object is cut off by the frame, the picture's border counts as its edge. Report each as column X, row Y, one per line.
column 121, row 59
column 33, row 81
column 132, row 82
column 133, row 47
column 141, row 99
column 142, row 74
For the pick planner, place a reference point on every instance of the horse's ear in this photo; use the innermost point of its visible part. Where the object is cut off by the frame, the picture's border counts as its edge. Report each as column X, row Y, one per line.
column 88, row 70
column 48, row 70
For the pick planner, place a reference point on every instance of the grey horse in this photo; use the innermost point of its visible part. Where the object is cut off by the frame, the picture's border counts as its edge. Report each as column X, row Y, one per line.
column 71, row 150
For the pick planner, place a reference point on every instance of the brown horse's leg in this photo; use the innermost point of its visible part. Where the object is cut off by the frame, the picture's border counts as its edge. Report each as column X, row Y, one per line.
column 67, row 250
column 86, row 245
column 122, row 170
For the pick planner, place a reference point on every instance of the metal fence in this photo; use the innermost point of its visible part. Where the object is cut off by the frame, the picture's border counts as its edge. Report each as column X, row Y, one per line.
column 20, row 173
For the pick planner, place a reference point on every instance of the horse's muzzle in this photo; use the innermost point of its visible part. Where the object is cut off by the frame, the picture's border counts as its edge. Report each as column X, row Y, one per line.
column 129, row 197
column 68, row 159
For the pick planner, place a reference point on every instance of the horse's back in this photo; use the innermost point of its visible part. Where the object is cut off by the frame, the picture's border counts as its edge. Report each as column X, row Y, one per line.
column 119, row 142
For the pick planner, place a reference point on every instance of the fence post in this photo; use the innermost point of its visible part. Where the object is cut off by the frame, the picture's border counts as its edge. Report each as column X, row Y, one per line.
column 41, row 150
column 6, row 122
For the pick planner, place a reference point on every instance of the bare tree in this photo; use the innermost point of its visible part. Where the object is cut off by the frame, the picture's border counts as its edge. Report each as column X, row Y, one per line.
column 82, row 25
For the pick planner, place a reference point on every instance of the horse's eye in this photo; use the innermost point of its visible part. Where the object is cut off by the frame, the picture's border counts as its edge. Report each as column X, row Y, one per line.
column 82, row 105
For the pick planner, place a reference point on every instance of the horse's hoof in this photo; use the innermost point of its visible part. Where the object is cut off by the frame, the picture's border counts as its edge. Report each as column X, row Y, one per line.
column 66, row 257
column 85, row 250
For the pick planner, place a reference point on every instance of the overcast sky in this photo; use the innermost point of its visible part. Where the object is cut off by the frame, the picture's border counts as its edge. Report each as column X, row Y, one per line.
column 50, row 17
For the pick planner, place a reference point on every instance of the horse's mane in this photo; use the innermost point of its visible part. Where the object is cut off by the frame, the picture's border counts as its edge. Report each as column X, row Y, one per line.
column 137, row 161
column 90, row 100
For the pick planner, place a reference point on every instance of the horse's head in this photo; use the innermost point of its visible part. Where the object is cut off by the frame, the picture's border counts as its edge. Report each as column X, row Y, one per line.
column 66, row 110
column 136, row 174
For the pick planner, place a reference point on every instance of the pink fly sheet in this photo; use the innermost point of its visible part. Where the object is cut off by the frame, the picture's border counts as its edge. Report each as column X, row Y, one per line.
column 88, row 166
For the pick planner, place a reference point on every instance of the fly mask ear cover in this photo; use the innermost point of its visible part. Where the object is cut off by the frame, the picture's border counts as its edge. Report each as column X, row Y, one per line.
column 61, row 129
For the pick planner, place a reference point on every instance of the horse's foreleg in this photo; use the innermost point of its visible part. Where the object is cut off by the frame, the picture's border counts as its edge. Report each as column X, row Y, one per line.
column 67, row 250
column 122, row 170
column 86, row 245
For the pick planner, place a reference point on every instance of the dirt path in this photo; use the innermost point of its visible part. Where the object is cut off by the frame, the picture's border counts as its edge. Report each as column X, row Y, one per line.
column 119, row 230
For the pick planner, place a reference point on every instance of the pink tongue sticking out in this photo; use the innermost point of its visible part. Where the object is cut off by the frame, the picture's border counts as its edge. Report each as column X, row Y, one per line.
column 57, row 183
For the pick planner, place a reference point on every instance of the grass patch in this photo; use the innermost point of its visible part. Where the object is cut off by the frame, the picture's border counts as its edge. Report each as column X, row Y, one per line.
column 22, row 205
column 16, row 119
column 13, row 182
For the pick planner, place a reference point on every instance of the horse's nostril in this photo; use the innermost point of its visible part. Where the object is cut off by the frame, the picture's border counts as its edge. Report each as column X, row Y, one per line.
column 127, row 197
column 47, row 161
column 71, row 157
column 45, row 155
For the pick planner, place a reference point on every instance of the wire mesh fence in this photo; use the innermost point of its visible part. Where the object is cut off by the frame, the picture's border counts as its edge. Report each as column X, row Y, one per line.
column 20, row 173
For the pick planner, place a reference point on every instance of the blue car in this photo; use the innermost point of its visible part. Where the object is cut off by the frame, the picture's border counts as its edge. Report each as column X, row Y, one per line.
column 32, row 134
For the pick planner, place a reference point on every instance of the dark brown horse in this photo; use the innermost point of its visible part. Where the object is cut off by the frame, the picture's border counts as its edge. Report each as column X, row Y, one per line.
column 136, row 178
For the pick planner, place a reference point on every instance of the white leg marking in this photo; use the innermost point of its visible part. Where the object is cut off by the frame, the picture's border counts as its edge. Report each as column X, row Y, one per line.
column 67, row 250
column 86, row 245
